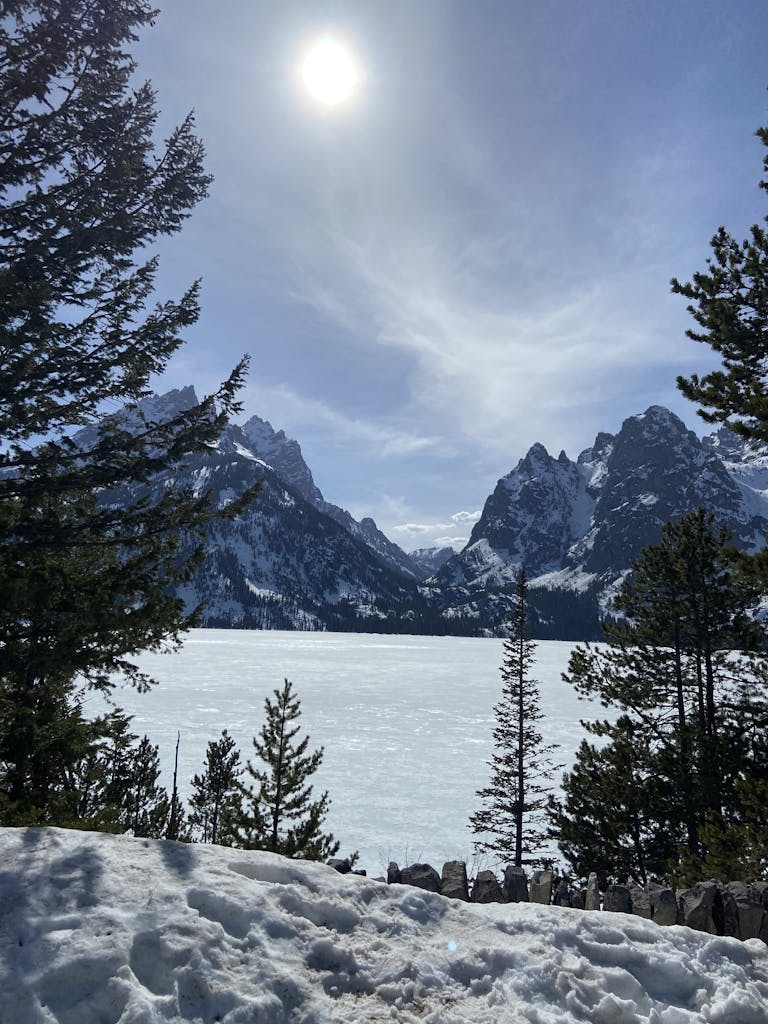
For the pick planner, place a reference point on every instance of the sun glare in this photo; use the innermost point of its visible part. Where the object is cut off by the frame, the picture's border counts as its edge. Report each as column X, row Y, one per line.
column 329, row 73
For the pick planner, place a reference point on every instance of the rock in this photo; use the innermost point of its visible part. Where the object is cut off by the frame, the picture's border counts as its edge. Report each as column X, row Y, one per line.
column 749, row 908
column 541, row 887
column 701, row 907
column 515, row 885
column 360, row 871
column 579, row 899
column 393, row 872
column 423, row 876
column 760, row 889
column 486, row 888
column 454, row 880
column 641, row 900
column 730, row 914
column 664, row 905
column 761, row 892
column 379, row 878
column 563, row 896
column 342, row 866
column 618, row 899
column 592, row 895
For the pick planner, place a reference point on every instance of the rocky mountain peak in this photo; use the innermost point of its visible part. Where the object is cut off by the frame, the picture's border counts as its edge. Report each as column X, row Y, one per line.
column 600, row 450
column 168, row 405
column 283, row 454
column 537, row 455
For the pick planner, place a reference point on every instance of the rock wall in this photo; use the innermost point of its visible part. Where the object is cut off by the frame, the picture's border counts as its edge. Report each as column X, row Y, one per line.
column 738, row 909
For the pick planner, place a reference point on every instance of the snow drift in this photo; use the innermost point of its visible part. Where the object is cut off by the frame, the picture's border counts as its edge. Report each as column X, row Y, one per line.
column 99, row 929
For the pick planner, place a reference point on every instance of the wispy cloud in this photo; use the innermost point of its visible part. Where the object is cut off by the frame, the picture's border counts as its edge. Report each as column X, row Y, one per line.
column 435, row 534
column 298, row 413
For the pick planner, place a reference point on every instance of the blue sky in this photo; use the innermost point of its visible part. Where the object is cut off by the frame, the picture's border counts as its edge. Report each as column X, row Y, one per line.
column 474, row 252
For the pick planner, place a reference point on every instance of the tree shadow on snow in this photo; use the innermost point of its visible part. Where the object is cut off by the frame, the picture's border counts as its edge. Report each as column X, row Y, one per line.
column 178, row 857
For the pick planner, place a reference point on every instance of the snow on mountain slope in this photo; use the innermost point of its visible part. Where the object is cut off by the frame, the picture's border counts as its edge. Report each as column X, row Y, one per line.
column 295, row 560
column 577, row 527
column 283, row 563
column 101, row 929
column 284, row 455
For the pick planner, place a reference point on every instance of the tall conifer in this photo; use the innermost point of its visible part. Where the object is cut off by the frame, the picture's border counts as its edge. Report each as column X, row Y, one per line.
column 686, row 672
column 84, row 196
column 511, row 823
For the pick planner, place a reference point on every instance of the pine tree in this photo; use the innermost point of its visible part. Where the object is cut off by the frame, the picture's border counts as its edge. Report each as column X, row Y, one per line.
column 278, row 813
column 84, row 582
column 685, row 670
column 729, row 302
column 215, row 792
column 146, row 808
column 521, row 768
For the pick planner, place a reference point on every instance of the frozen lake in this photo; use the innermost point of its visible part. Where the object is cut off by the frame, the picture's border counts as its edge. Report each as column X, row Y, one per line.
column 405, row 721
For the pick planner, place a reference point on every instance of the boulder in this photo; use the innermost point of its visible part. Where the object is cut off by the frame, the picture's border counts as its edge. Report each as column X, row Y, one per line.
column 342, row 866
column 486, row 888
column 515, row 885
column 641, row 900
column 423, row 876
column 730, row 913
column 749, row 908
column 701, row 907
column 454, row 880
column 541, row 887
column 761, row 892
column 563, row 896
column 618, row 899
column 664, row 905
column 393, row 872
column 592, row 895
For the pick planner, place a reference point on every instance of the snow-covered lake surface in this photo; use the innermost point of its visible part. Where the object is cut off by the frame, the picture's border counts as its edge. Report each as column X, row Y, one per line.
column 100, row 929
column 405, row 721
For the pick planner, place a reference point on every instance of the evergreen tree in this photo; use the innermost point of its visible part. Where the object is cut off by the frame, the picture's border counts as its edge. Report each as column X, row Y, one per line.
column 521, row 769
column 729, row 302
column 215, row 792
column 610, row 817
column 84, row 582
column 685, row 671
column 146, row 807
column 278, row 813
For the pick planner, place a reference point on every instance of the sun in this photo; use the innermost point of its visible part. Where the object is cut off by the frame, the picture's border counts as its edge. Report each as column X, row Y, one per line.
column 329, row 73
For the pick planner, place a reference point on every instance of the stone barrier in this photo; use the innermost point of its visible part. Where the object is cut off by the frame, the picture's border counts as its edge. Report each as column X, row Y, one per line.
column 738, row 909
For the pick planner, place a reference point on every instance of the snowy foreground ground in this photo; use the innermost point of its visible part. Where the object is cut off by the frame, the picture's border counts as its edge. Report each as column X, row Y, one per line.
column 102, row 929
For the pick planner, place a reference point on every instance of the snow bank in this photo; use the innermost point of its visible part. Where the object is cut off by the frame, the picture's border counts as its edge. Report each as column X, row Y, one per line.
column 99, row 929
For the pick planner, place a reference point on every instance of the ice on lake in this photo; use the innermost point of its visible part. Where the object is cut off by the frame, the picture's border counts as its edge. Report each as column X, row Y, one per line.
column 405, row 722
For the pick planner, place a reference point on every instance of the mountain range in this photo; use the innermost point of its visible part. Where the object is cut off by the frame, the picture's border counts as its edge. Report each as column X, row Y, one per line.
column 296, row 561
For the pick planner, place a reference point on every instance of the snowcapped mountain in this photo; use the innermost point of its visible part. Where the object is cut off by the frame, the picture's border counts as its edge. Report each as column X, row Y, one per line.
column 578, row 526
column 284, row 456
column 429, row 560
column 296, row 561
column 291, row 560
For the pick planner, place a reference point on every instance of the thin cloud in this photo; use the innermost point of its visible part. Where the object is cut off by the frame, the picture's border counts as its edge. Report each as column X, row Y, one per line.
column 298, row 413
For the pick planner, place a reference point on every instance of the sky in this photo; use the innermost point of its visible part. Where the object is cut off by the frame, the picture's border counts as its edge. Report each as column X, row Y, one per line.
column 473, row 253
